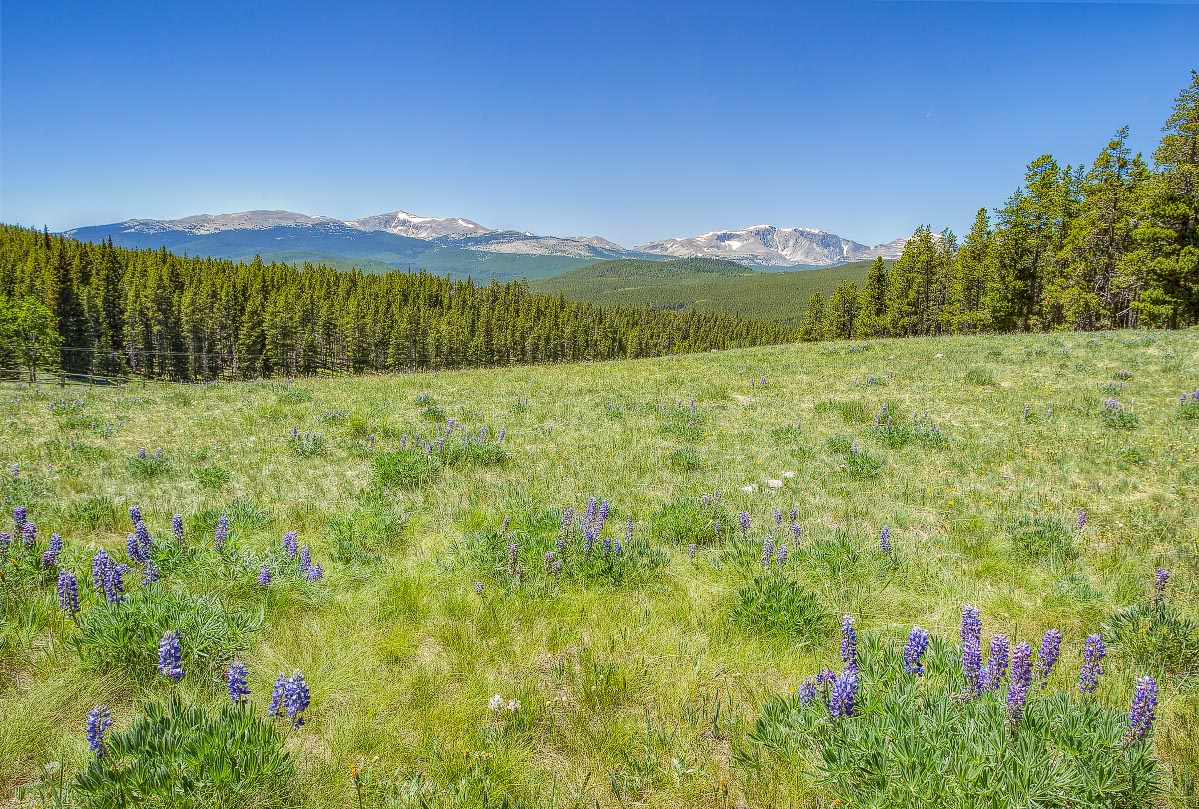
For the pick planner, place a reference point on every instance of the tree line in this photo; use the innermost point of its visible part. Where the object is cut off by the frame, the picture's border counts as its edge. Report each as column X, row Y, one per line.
column 113, row 311
column 1110, row 245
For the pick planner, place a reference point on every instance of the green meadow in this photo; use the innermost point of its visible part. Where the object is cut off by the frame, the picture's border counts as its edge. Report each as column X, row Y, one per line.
column 662, row 674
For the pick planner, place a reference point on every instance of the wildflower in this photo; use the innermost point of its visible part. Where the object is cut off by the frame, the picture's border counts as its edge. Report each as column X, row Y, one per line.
column 743, row 518
column 141, row 453
column 996, row 667
column 1143, row 711
column 513, row 556
column 500, row 435
column 177, row 527
column 568, row 518
column 628, row 530
column 5, row 541
column 1017, row 693
column 807, row 691
column 68, row 593
column 169, row 655
column 145, row 545
column 222, row 532
column 28, row 535
column 843, row 692
column 151, row 574
column 692, row 550
column 296, row 699
column 478, row 588
column 914, row 650
column 235, row 680
column 767, row 550
column 884, row 540
column 315, row 572
column 264, row 575
column 1082, row 519
column 855, row 448
column 50, row 557
column 780, row 556
column 794, row 511
column 513, row 705
column 305, row 559
column 774, row 484
column 135, row 515
column 496, row 703
column 291, row 543
column 99, row 719
column 749, row 488
column 277, row 694
column 796, row 532
column 1160, row 577
column 849, row 642
column 972, row 648
column 101, row 562
column 1094, row 651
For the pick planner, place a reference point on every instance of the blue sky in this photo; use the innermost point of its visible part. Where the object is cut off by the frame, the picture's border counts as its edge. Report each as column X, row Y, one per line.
column 633, row 121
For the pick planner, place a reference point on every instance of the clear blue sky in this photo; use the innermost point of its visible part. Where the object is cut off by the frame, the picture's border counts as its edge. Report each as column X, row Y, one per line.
column 634, row 121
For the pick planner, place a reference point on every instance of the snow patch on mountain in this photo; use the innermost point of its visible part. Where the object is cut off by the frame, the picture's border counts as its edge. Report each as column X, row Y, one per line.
column 772, row 246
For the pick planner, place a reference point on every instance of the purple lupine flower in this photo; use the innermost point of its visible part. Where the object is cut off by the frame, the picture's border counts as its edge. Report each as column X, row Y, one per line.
column 151, row 574
column 114, row 582
column 1094, row 650
column 99, row 719
column 1051, row 647
column 145, row 544
column 296, row 699
column 743, row 518
column 305, row 558
column 606, row 543
column 177, row 527
column 716, row 527
column 807, row 691
column 972, row 629
column 68, row 593
column 500, row 435
column 996, row 668
column 404, row 441
column 843, row 692
column 884, row 540
column 277, row 694
column 692, row 550
column 855, row 448
column 767, row 550
column 1143, row 711
column 826, row 677
column 1082, row 519
column 796, row 532
column 221, row 534
column 235, row 681
column 291, row 543
column 28, row 535
column 170, row 654
column 132, row 549
column 914, row 650
column 50, row 557
column 588, row 539
column 141, row 453
column 628, row 530
column 568, row 518
column 264, row 575
column 549, row 560
column 478, row 588
column 101, row 562
column 778, row 517
column 849, row 642
column 135, row 515
column 602, row 516
column 1160, row 577
column 19, row 515
column 5, row 541
column 589, row 514
column 315, row 572
column 780, row 555
column 1017, row 692
column 794, row 514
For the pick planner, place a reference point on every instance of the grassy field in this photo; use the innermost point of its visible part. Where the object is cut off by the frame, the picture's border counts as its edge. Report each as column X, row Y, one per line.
column 648, row 677
column 703, row 286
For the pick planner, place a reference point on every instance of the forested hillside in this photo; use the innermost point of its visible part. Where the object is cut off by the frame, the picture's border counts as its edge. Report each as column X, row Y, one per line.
column 155, row 313
column 701, row 285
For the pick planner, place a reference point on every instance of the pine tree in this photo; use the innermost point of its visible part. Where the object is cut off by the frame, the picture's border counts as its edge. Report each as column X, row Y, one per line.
column 842, row 311
column 970, row 276
column 871, row 318
column 811, row 325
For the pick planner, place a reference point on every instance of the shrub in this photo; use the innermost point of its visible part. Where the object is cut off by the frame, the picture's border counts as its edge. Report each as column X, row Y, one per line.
column 212, row 477
column 405, row 468
column 125, row 635
column 980, row 376
column 191, row 757
column 434, row 413
column 1157, row 637
column 306, row 444
column 1043, row 537
column 684, row 459
column 690, row 521
column 146, row 466
column 777, row 605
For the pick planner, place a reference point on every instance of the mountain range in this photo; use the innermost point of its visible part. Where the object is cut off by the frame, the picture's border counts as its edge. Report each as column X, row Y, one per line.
column 460, row 246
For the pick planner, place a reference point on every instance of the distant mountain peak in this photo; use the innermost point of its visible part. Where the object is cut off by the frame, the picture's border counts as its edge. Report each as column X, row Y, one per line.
column 769, row 245
column 413, row 226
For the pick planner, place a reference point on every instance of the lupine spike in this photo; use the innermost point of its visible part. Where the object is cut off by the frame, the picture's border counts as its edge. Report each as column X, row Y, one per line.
column 235, row 680
column 849, row 642
column 99, row 719
column 68, row 593
column 972, row 648
column 916, row 646
column 1094, row 650
column 1143, row 710
column 1017, row 693
column 1051, row 648
column 170, row 654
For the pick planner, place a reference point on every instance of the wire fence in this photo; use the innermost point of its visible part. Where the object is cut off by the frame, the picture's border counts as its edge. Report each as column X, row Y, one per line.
column 37, row 365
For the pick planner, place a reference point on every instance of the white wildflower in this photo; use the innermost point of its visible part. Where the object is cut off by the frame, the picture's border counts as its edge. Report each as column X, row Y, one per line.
column 496, row 703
